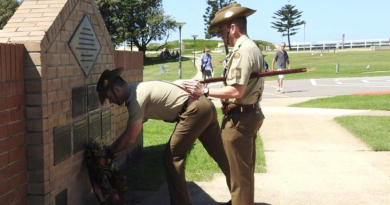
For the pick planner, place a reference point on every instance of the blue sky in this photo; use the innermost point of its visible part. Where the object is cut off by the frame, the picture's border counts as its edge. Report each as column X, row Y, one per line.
column 326, row 20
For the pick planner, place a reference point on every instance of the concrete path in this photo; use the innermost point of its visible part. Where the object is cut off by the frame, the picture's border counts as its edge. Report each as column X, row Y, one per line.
column 310, row 160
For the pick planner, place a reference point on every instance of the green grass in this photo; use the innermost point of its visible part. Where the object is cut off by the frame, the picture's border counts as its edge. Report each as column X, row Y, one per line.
column 147, row 173
column 357, row 102
column 373, row 130
column 352, row 64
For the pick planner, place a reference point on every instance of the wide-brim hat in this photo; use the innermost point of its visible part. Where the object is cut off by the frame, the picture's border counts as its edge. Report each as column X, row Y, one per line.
column 105, row 82
column 227, row 14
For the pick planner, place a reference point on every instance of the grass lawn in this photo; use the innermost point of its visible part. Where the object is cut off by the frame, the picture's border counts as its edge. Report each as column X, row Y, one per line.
column 147, row 173
column 358, row 102
column 372, row 130
column 352, row 64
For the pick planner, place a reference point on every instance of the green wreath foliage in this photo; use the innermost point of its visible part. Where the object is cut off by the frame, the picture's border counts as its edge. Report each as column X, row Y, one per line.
column 107, row 179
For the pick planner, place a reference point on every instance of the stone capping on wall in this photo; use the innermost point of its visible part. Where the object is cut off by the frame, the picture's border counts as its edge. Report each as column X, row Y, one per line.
column 37, row 23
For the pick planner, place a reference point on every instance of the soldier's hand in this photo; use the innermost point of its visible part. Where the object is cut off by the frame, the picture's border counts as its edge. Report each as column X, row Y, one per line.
column 193, row 86
column 107, row 153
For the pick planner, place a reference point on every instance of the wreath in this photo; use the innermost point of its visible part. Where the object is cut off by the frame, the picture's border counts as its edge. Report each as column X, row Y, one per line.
column 107, row 179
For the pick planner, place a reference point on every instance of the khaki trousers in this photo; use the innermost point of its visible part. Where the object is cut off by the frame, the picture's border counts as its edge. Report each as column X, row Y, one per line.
column 199, row 120
column 239, row 134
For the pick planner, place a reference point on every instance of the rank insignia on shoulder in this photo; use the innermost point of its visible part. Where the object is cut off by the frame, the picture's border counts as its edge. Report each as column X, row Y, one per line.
column 236, row 55
column 236, row 73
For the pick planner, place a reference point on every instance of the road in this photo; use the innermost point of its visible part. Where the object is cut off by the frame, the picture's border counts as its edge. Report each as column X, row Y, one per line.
column 327, row 87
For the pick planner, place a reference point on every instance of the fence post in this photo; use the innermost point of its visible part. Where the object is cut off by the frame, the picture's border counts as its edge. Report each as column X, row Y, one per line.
column 337, row 67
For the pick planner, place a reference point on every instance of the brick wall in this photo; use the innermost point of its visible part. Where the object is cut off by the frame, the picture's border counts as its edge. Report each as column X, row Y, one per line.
column 51, row 72
column 132, row 62
column 13, row 162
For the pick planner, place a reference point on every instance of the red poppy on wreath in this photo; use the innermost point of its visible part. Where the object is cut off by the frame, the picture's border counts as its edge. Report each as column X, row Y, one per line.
column 108, row 182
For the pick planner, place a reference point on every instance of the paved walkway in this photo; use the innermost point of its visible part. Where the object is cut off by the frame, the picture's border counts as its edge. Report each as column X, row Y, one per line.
column 310, row 160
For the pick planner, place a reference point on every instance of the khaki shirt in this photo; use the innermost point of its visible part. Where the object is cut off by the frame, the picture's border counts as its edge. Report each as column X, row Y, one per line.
column 246, row 58
column 155, row 100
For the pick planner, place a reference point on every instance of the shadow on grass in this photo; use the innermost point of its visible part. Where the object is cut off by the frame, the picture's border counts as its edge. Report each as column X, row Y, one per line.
column 147, row 172
column 161, row 197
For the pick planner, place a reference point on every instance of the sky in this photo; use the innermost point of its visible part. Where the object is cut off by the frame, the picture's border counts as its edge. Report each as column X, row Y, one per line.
column 326, row 20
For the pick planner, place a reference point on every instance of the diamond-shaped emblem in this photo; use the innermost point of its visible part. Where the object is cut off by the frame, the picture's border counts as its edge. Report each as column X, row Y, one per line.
column 85, row 45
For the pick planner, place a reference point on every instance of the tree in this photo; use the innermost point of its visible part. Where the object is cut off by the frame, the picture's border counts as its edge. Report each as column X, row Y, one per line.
column 212, row 8
column 7, row 10
column 287, row 19
column 136, row 21
column 109, row 9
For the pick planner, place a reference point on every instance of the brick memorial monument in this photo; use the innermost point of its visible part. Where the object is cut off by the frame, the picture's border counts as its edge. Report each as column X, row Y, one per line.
column 66, row 47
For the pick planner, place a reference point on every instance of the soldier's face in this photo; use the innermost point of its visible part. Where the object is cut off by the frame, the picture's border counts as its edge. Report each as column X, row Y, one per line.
column 114, row 96
column 222, row 33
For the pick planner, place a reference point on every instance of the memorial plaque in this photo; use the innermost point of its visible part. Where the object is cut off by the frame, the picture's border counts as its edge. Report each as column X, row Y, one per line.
column 62, row 144
column 93, row 98
column 62, row 198
column 106, row 122
column 85, row 45
column 80, row 135
column 94, row 126
column 79, row 101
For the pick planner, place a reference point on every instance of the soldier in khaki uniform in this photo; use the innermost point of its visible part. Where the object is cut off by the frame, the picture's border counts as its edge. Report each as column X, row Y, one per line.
column 240, row 98
column 195, row 118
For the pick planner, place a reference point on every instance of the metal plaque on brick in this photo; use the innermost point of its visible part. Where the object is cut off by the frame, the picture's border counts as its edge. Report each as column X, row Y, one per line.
column 106, row 122
column 94, row 126
column 62, row 144
column 79, row 101
column 85, row 45
column 80, row 135
column 62, row 198
column 93, row 98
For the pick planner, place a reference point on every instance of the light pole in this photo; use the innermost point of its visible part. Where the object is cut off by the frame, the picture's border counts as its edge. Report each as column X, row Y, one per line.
column 304, row 35
column 194, row 46
column 180, row 25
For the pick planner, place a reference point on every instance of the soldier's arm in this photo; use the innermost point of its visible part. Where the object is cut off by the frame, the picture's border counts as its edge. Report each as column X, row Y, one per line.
column 128, row 137
column 228, row 92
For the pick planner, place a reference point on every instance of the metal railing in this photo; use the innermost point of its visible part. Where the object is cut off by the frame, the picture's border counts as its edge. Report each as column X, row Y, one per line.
column 322, row 45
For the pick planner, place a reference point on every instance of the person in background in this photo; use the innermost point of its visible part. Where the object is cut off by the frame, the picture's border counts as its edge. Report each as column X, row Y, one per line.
column 206, row 65
column 177, row 54
column 281, row 59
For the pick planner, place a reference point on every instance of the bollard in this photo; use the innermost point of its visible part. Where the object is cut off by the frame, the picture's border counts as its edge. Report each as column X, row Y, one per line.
column 337, row 67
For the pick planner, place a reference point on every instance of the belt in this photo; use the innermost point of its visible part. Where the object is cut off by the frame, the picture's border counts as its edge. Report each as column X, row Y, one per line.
column 234, row 108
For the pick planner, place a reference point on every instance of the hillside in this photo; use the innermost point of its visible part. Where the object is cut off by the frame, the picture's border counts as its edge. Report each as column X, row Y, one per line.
column 199, row 45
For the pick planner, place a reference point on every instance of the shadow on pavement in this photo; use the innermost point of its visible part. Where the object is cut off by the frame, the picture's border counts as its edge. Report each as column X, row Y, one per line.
column 296, row 91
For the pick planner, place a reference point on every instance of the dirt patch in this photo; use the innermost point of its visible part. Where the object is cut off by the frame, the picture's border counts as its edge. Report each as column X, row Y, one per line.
column 372, row 93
